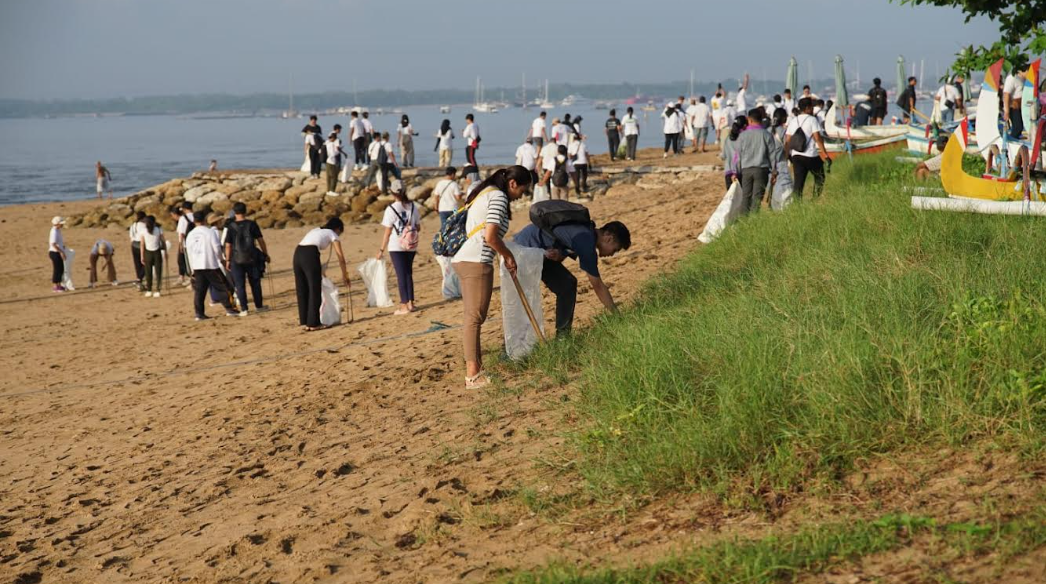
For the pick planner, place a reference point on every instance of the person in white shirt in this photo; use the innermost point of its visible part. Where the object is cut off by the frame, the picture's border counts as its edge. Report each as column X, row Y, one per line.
column 405, row 139
column 472, row 139
column 152, row 247
column 136, row 241
column 813, row 158
column 333, row 161
column 373, row 165
column 527, row 156
column 539, row 131
column 102, row 249
column 947, row 96
column 203, row 249
column 56, row 252
column 184, row 216
column 700, row 119
column 548, row 163
column 448, row 194
column 358, row 136
column 308, row 271
column 1012, row 93
column 445, row 143
column 561, row 132
column 389, row 166
column 742, row 96
column 368, row 132
column 402, row 218
column 578, row 153
column 672, row 121
column 630, row 130
column 788, row 103
column 726, row 119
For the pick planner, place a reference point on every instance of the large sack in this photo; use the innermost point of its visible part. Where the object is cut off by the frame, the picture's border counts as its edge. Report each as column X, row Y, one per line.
column 330, row 308
column 540, row 194
column 728, row 210
column 451, row 283
column 376, row 279
column 67, row 276
column 520, row 336
column 782, row 190
column 346, row 173
column 306, row 166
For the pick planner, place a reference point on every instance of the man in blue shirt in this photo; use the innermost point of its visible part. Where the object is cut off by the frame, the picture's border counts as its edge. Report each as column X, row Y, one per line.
column 587, row 244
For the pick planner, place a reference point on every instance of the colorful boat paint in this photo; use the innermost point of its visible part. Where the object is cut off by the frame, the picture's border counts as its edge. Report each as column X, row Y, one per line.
column 957, row 183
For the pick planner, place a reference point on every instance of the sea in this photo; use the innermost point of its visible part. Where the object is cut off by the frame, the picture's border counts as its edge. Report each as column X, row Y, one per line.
column 53, row 159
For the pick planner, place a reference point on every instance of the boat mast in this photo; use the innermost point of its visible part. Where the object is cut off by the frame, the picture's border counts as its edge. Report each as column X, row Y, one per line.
column 691, row 94
column 524, row 87
column 290, row 92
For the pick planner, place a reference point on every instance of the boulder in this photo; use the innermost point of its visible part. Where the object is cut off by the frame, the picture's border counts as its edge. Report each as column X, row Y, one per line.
column 211, row 198
column 255, row 207
column 120, row 210
column 228, row 188
column 299, row 190
column 196, row 192
column 304, row 208
column 275, row 184
column 377, row 208
column 266, row 222
column 419, row 193
column 292, row 223
column 221, row 207
column 314, row 218
column 245, row 196
column 335, row 206
column 270, row 197
column 312, row 197
column 144, row 202
column 361, row 201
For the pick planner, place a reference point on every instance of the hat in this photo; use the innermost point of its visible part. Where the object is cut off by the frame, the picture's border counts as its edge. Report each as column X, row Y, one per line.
column 58, row 220
column 396, row 186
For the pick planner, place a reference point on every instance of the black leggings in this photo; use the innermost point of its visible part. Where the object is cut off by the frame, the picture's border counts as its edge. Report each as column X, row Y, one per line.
column 581, row 178
column 672, row 141
column 308, row 284
column 804, row 165
column 153, row 266
column 403, row 262
column 57, row 267
column 359, row 147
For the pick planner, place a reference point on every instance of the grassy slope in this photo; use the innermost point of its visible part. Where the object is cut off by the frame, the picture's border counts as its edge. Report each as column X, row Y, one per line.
column 802, row 340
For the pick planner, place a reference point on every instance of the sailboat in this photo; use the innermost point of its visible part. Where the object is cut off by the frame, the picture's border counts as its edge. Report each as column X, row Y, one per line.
column 546, row 103
column 480, row 105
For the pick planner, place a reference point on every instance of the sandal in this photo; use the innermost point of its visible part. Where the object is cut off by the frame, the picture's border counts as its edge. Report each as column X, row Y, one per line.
column 477, row 381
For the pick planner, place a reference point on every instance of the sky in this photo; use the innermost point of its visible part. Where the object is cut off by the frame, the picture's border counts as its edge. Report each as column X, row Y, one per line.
column 68, row 49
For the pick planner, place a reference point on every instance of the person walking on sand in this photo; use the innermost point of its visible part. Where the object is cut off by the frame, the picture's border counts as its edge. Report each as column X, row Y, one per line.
column 699, row 116
column 373, row 164
column 102, row 180
column 756, row 152
column 578, row 153
column 630, row 129
column 204, row 253
column 539, row 130
column 472, row 139
column 152, row 247
column 813, row 158
column 672, row 127
column 527, row 156
column 448, row 192
column 405, row 140
column 487, row 222
column 729, row 154
column 334, row 154
column 134, row 232
column 185, row 222
column 308, row 272
column 102, row 249
column 56, row 252
column 357, row 135
column 558, row 173
column 245, row 257
column 403, row 218
column 445, row 143
column 612, row 130
column 586, row 244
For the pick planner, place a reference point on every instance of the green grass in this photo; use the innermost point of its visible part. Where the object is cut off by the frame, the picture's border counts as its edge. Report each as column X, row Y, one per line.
column 803, row 340
column 812, row 551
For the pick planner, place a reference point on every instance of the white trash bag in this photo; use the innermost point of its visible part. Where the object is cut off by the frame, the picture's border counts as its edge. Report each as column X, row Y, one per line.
column 330, row 308
column 451, row 283
column 346, row 172
column 540, row 194
column 376, row 279
column 728, row 210
column 306, row 166
column 520, row 337
column 67, row 276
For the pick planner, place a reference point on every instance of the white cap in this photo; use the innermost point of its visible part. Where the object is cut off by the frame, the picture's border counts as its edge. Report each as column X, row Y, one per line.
column 58, row 220
column 396, row 186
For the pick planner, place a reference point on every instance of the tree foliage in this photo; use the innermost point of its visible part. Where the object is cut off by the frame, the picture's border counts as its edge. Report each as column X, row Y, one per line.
column 1022, row 28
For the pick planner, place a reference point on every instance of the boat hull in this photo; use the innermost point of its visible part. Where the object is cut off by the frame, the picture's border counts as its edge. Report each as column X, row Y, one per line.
column 957, row 183
column 837, row 149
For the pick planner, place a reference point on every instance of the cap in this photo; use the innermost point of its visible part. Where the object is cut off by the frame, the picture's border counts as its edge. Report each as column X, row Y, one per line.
column 396, row 186
column 58, row 220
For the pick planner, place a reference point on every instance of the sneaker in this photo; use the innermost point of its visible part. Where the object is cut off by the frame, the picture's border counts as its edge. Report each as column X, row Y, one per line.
column 262, row 308
column 231, row 313
column 200, row 317
column 147, row 293
column 187, row 283
column 58, row 288
column 241, row 313
column 665, row 155
column 115, row 283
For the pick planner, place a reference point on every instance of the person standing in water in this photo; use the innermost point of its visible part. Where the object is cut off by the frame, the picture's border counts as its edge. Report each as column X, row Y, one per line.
column 445, row 143
column 405, row 140
column 102, row 180
column 56, row 251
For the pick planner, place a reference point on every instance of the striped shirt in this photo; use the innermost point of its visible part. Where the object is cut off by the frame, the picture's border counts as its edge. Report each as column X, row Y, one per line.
column 490, row 206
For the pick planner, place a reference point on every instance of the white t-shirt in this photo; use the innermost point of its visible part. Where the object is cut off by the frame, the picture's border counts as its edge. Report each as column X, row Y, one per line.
column 367, row 126
column 699, row 114
column 948, row 92
column 152, row 240
column 742, row 101
column 537, row 127
column 101, row 245
column 526, row 156
column 470, row 133
column 489, row 207
column 321, row 238
column 446, row 141
column 183, row 224
column 548, row 156
column 448, row 192
column 579, row 150
column 789, row 105
column 372, row 151
column 1013, row 86
column 332, row 151
column 810, row 126
column 203, row 248
column 398, row 217
column 135, row 230
column 630, row 125
column 407, row 130
column 55, row 240
column 672, row 125
column 561, row 133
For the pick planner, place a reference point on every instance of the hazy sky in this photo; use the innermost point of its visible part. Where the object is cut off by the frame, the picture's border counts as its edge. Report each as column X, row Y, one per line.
column 109, row 48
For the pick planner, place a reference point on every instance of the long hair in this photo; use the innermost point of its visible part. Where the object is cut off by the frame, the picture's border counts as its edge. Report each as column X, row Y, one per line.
column 150, row 223
column 404, row 121
column 444, row 127
column 500, row 179
column 739, row 124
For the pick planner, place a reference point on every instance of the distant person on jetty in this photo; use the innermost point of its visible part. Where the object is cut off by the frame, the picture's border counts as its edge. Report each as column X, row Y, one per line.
column 878, row 98
column 699, row 116
column 134, row 232
column 333, row 161
column 213, row 167
column 472, row 139
column 586, row 244
column 204, row 252
column 906, row 101
column 612, row 130
column 308, row 272
column 449, row 194
column 672, row 125
column 102, row 180
column 314, row 145
column 742, row 95
column 561, row 130
column 756, row 152
column 358, row 136
column 56, row 251
column 369, row 132
column 102, row 249
column 527, row 156
column 578, row 153
column 184, row 216
column 488, row 220
column 152, row 246
column 811, row 159
column 402, row 218
column 405, row 140
column 387, row 163
column 445, row 143
column 245, row 257
column 539, row 130
column 630, row 129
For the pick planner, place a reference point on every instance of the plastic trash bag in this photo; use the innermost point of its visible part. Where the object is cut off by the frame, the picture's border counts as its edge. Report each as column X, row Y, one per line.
column 376, row 279
column 540, row 194
column 306, row 166
column 330, row 308
column 520, row 337
column 724, row 214
column 781, row 195
column 346, row 173
column 67, row 276
column 451, row 283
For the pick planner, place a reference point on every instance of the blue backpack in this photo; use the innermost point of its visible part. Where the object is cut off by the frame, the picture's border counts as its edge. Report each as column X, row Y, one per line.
column 453, row 234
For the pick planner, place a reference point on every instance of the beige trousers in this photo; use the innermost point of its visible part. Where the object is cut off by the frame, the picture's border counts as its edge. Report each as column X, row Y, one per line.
column 477, row 285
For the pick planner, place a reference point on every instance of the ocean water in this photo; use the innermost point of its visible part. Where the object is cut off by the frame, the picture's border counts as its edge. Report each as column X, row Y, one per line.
column 53, row 159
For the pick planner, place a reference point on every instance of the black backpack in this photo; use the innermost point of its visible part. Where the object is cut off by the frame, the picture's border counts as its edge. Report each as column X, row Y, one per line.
column 797, row 143
column 560, row 178
column 547, row 215
column 878, row 97
column 383, row 155
column 242, row 242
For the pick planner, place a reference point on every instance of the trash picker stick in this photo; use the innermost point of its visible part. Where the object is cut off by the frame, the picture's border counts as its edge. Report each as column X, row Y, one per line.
column 348, row 300
column 526, row 306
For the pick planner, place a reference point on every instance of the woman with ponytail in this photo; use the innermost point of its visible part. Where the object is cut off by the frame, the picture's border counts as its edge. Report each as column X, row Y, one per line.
column 487, row 222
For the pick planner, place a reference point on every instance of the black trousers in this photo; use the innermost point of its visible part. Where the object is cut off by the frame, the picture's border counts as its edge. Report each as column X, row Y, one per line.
column 631, row 141
column 359, row 147
column 136, row 259
column 308, row 284
column 242, row 274
column 803, row 166
column 204, row 279
column 581, row 178
column 470, row 155
column 753, row 187
column 57, row 267
column 614, row 142
column 315, row 161
column 403, row 263
column 1016, row 124
column 564, row 285
column 672, row 141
